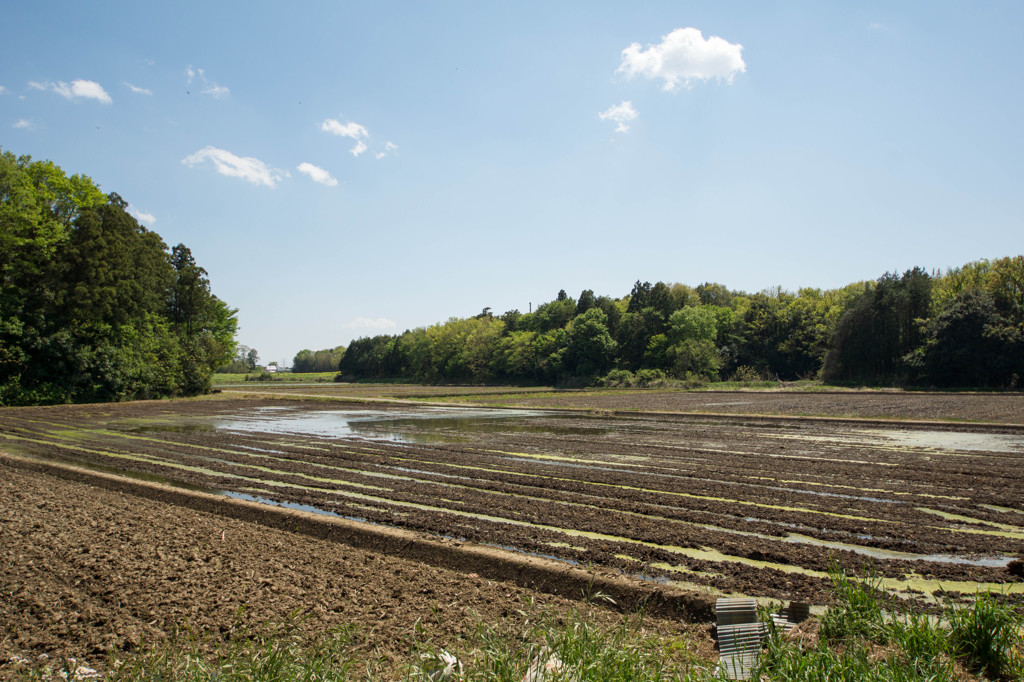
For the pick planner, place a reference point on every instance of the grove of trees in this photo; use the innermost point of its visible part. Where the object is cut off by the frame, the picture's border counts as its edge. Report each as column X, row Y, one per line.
column 961, row 328
column 325, row 360
column 245, row 360
column 93, row 306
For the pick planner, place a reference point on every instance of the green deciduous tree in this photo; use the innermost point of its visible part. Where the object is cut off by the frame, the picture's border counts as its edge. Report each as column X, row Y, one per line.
column 84, row 293
column 590, row 349
column 880, row 330
column 325, row 360
column 970, row 343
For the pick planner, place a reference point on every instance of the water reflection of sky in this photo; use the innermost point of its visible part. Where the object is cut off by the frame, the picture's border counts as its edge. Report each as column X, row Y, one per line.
column 424, row 425
column 953, row 441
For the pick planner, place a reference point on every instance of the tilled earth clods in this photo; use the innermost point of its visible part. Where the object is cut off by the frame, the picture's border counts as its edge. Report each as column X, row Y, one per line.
column 733, row 505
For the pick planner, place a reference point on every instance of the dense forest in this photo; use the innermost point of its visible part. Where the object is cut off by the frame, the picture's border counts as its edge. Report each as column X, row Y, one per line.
column 961, row 328
column 93, row 306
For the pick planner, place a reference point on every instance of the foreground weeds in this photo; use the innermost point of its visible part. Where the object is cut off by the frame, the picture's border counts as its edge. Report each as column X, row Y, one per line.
column 570, row 648
column 277, row 653
column 862, row 637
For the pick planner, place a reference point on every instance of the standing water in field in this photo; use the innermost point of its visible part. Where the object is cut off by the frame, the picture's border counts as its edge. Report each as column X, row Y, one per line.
column 428, row 424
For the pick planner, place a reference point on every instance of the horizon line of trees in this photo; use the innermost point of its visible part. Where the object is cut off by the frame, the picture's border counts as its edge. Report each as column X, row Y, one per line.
column 964, row 327
column 93, row 306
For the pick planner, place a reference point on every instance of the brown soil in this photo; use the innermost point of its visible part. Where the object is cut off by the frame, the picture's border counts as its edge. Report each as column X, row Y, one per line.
column 708, row 500
column 1007, row 408
column 86, row 572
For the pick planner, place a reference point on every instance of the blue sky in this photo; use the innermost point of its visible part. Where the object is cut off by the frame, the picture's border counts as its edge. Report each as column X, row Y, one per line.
column 349, row 169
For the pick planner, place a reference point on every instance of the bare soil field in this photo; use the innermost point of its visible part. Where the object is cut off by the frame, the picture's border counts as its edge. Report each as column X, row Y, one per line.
column 725, row 504
column 86, row 572
column 398, row 391
column 1006, row 408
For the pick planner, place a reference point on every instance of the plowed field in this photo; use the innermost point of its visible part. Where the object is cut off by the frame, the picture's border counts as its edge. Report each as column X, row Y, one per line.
column 1006, row 408
column 746, row 505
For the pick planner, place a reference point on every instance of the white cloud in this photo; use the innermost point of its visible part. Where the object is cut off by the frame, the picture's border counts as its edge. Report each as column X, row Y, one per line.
column 371, row 323
column 208, row 86
column 351, row 130
column 317, row 174
column 884, row 29
column 137, row 90
column 389, row 149
column 3, row 90
column 24, row 124
column 245, row 167
column 147, row 218
column 622, row 114
column 89, row 90
column 682, row 57
column 74, row 89
column 217, row 91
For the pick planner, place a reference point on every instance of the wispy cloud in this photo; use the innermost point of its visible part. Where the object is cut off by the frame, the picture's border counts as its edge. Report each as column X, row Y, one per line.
column 137, row 90
column 622, row 114
column 207, row 86
column 75, row 89
column 246, row 167
column 24, row 124
column 317, row 174
column 350, row 130
column 881, row 28
column 217, row 91
column 389, row 149
column 4, row 91
column 682, row 57
column 146, row 218
column 370, row 323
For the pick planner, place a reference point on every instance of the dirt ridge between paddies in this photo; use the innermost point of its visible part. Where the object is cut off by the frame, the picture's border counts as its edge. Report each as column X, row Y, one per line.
column 611, row 412
column 535, row 573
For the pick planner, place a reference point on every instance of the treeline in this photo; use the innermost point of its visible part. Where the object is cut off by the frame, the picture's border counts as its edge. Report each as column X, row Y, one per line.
column 244, row 360
column 325, row 360
column 93, row 306
column 961, row 328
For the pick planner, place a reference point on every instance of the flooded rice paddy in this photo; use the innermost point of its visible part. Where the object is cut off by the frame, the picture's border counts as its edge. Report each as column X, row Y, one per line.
column 729, row 506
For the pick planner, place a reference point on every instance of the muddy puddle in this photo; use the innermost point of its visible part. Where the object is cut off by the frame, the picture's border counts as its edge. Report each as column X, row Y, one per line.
column 288, row 505
column 429, row 425
column 936, row 441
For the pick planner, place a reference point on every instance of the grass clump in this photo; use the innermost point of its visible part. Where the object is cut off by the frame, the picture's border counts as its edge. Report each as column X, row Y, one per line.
column 575, row 650
column 275, row 653
column 278, row 655
column 863, row 637
column 857, row 612
column 987, row 636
